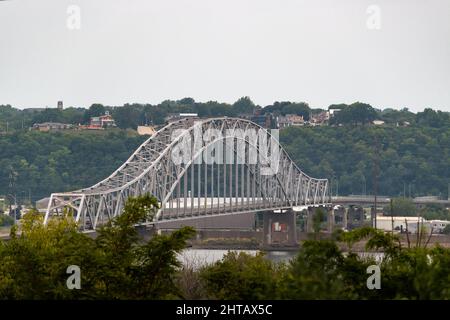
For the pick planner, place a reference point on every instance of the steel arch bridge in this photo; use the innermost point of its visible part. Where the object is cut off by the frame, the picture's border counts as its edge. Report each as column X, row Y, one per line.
column 197, row 168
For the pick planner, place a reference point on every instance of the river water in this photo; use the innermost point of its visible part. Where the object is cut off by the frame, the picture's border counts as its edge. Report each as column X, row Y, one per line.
column 201, row 257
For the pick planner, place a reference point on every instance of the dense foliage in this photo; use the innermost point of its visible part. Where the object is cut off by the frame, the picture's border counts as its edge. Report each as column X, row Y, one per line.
column 34, row 164
column 117, row 264
column 323, row 271
column 413, row 161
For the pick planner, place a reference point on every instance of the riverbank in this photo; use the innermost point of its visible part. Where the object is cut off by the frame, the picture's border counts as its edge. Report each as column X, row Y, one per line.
column 256, row 243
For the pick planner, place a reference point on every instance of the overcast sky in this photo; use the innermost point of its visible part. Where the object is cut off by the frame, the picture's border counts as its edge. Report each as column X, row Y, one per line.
column 146, row 51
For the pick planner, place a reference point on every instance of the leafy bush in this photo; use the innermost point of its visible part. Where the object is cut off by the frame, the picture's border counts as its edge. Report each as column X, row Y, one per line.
column 118, row 264
column 6, row 220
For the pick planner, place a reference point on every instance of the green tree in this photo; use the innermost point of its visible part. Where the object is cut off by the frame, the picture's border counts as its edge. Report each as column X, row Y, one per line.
column 356, row 113
column 446, row 229
column 94, row 110
column 129, row 116
column 241, row 276
column 118, row 264
column 401, row 207
column 318, row 218
column 244, row 106
column 6, row 221
column 432, row 118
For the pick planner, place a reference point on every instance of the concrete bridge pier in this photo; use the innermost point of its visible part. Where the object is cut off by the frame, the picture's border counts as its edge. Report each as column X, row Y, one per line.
column 280, row 228
column 340, row 216
column 345, row 219
column 330, row 219
column 310, row 219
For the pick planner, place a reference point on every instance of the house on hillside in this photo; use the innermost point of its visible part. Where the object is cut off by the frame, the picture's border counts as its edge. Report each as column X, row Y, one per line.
column 146, row 130
column 378, row 122
column 104, row 121
column 290, row 120
column 403, row 124
column 100, row 122
column 51, row 126
column 333, row 112
column 320, row 118
column 178, row 116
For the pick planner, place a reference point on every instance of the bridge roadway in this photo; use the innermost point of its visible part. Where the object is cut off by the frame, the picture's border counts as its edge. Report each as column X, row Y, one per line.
column 365, row 200
column 200, row 208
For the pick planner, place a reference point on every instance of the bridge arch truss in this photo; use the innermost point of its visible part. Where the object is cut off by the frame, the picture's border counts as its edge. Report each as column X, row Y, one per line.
column 197, row 168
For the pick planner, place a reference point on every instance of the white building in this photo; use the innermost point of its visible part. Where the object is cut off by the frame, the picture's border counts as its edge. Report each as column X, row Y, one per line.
column 145, row 130
column 177, row 116
column 385, row 223
column 378, row 122
column 400, row 223
column 437, row 226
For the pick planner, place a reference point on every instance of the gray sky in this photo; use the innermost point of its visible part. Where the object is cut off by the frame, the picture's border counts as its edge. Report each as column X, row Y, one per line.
column 146, row 51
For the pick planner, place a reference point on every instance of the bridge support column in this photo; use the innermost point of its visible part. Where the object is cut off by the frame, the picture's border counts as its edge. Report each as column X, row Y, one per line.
column 345, row 219
column 310, row 220
column 330, row 219
column 280, row 228
column 340, row 217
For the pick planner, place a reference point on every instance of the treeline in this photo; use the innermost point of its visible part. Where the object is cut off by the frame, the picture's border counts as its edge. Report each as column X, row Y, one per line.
column 34, row 164
column 412, row 161
column 133, row 115
column 58, row 262
column 126, row 116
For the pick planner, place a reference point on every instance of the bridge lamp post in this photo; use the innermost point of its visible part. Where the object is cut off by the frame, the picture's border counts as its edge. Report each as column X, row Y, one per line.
column 337, row 187
column 334, row 178
column 331, row 186
column 364, row 185
column 13, row 198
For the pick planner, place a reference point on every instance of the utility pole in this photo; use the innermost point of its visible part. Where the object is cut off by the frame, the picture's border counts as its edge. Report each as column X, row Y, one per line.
column 364, row 191
column 12, row 189
column 392, row 216
column 330, row 191
column 375, row 179
column 330, row 187
column 337, row 187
